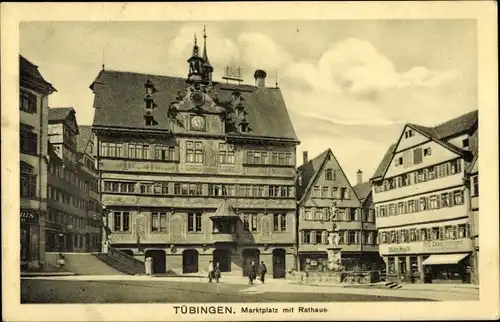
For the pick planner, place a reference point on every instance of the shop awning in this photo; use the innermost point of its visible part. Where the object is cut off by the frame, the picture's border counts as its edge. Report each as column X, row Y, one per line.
column 444, row 259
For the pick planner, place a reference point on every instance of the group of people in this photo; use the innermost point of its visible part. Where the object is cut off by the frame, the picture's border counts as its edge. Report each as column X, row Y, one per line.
column 253, row 271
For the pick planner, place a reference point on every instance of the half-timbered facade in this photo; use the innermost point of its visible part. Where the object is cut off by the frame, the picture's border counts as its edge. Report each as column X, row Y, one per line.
column 420, row 197
column 194, row 170
column 328, row 204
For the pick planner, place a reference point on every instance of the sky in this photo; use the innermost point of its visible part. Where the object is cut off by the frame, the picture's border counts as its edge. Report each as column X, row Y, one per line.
column 349, row 85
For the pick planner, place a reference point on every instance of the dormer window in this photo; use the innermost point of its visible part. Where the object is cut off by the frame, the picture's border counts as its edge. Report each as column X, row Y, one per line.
column 149, row 119
column 243, row 127
column 149, row 103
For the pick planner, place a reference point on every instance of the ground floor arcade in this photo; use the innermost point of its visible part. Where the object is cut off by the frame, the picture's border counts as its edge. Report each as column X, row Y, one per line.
column 234, row 260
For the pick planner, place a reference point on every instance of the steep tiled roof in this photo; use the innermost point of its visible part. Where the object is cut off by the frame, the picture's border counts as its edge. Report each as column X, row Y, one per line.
column 308, row 172
column 362, row 190
column 85, row 133
column 27, row 68
column 119, row 101
column 59, row 113
column 385, row 162
column 440, row 133
column 457, row 125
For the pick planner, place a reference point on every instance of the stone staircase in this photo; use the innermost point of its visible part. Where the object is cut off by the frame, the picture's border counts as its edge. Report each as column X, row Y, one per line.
column 118, row 265
column 87, row 264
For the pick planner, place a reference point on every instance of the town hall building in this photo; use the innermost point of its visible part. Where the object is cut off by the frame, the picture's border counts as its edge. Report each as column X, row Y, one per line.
column 194, row 170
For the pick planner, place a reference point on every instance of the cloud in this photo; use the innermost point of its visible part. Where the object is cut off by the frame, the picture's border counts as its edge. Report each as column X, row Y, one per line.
column 354, row 67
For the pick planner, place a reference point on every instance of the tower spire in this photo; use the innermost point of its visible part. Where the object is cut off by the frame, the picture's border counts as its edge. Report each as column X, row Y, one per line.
column 205, row 56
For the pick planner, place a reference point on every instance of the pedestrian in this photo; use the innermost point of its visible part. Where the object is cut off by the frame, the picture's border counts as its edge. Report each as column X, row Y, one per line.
column 217, row 272
column 210, row 271
column 263, row 271
column 61, row 263
column 252, row 273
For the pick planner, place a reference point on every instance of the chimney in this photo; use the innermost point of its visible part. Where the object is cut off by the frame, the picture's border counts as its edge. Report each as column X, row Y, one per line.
column 260, row 78
column 304, row 157
column 360, row 176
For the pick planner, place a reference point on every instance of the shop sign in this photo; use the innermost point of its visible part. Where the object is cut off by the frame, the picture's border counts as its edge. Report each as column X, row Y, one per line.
column 399, row 249
column 463, row 244
column 29, row 217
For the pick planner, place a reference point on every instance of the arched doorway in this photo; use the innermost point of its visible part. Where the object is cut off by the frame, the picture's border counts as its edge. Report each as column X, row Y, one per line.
column 250, row 255
column 190, row 261
column 127, row 251
column 223, row 257
column 279, row 263
column 159, row 260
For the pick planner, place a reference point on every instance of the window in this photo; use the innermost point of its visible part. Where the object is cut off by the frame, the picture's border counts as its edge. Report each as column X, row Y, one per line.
column 146, row 188
column 226, row 153
column 127, row 187
column 458, row 197
column 352, row 214
column 250, row 222
column 325, row 192
column 194, row 152
column 274, row 191
column 121, row 220
column 445, row 200
column 371, row 217
column 194, row 222
column 335, row 193
column 398, row 161
column 158, row 221
column 28, row 140
column 135, row 151
column 28, row 181
column 409, row 134
column 384, row 237
column 280, row 222
column 427, row 152
column 463, row 231
column 27, row 102
column 465, row 143
column 330, row 174
column 417, row 156
column 163, row 152
column 436, row 233
column 351, row 239
column 456, row 166
column 475, row 186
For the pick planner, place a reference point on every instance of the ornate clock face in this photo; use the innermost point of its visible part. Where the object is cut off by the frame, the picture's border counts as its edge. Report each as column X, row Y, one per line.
column 198, row 123
column 197, row 98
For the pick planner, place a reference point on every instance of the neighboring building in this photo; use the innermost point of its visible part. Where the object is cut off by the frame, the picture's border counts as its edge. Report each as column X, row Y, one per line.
column 73, row 220
column 34, row 93
column 473, row 185
column 194, row 170
column 363, row 190
column 421, row 202
column 321, row 187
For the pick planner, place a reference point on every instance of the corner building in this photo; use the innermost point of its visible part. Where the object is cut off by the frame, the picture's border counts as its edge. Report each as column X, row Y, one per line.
column 194, row 170
column 421, row 203
column 34, row 93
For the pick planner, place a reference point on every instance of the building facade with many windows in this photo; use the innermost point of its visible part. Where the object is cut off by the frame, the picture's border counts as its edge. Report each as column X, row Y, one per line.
column 194, row 170
column 34, row 92
column 73, row 220
column 421, row 202
column 328, row 204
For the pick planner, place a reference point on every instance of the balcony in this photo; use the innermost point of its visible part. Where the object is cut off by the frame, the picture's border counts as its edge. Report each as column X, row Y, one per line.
column 224, row 237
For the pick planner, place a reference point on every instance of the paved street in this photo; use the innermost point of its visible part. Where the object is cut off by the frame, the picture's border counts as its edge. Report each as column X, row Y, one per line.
column 143, row 289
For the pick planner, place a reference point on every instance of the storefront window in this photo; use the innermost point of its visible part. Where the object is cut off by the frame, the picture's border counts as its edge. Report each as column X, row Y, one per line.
column 391, row 264
column 402, row 265
column 414, row 265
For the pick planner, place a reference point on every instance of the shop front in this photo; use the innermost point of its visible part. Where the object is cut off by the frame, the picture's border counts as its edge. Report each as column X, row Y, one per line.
column 29, row 238
column 313, row 261
column 441, row 261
